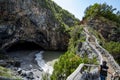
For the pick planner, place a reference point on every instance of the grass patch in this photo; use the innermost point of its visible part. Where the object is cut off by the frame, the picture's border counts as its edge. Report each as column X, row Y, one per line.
column 7, row 73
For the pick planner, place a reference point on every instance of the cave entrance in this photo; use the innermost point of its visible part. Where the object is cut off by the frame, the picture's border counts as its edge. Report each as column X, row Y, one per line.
column 23, row 45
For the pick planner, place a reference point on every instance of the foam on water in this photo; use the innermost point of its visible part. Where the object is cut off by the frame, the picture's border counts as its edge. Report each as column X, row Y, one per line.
column 40, row 61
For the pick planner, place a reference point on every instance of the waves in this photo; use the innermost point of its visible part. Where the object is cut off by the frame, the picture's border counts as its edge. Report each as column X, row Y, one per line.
column 41, row 63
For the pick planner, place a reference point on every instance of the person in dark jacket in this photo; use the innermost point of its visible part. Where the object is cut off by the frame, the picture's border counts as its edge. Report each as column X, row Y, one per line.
column 104, row 70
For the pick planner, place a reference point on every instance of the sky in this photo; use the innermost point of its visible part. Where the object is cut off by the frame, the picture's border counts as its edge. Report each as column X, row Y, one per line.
column 77, row 7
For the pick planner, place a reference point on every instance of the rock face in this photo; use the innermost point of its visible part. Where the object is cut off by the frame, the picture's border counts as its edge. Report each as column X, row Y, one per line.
column 108, row 29
column 32, row 21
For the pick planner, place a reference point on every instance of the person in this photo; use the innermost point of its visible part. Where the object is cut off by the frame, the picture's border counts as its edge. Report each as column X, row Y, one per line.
column 103, row 69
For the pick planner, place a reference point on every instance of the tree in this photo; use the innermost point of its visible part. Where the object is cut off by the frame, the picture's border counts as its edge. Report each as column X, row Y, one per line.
column 103, row 10
column 68, row 62
column 92, row 10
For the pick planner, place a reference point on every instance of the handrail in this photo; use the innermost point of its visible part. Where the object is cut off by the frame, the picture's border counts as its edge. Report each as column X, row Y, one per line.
column 111, row 59
column 97, row 52
column 75, row 73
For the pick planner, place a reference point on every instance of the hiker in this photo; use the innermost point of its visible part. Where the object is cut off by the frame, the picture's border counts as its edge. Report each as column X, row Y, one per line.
column 103, row 69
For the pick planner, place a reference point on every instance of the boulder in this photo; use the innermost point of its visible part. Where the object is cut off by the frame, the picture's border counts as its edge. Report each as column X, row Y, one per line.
column 3, row 63
column 19, row 70
column 23, row 73
column 30, row 75
column 17, row 64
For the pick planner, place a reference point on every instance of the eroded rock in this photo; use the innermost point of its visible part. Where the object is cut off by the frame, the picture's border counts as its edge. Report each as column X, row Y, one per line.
column 30, row 20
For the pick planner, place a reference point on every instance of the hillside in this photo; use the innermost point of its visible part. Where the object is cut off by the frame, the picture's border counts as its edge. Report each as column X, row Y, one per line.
column 41, row 22
column 33, row 24
column 87, row 45
column 105, row 25
column 43, row 25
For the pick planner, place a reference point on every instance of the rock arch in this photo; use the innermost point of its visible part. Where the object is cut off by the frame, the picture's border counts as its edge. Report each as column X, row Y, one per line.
column 22, row 45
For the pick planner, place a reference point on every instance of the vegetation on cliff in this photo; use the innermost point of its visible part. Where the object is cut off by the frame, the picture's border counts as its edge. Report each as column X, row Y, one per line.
column 39, row 21
column 105, row 23
column 114, row 48
column 105, row 13
column 68, row 62
column 64, row 18
column 104, row 10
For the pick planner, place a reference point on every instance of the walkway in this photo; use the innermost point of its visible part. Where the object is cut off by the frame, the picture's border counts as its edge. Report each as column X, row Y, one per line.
column 102, row 55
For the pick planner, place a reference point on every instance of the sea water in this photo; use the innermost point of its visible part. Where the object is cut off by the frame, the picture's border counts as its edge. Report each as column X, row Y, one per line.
column 41, row 62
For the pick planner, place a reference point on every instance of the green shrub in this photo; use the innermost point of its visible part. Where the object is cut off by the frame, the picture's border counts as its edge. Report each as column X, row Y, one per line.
column 4, row 72
column 103, row 10
column 68, row 62
column 65, row 66
column 113, row 47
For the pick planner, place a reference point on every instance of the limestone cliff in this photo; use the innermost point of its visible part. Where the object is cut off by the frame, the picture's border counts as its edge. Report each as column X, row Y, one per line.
column 107, row 28
column 38, row 21
column 107, row 32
